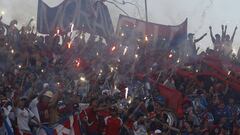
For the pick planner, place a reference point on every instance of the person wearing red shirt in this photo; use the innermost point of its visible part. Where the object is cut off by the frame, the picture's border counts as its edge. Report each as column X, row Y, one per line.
column 102, row 115
column 113, row 123
column 90, row 118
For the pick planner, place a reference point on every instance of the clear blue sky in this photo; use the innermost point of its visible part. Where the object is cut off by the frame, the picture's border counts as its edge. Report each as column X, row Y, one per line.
column 200, row 13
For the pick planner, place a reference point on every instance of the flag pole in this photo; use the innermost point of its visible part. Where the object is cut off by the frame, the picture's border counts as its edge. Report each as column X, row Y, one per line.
column 146, row 17
column 146, row 11
column 146, row 26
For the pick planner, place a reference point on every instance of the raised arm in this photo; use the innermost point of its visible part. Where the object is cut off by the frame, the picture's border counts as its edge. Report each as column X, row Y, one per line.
column 28, row 26
column 232, row 38
column 224, row 32
column 199, row 39
column 225, row 29
column 211, row 34
column 3, row 24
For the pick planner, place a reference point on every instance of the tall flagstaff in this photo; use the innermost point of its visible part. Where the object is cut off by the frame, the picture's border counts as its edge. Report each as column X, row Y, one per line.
column 146, row 17
column 146, row 26
column 146, row 11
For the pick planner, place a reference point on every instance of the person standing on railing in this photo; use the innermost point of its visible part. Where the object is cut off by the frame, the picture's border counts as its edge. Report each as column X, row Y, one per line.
column 217, row 42
column 228, row 41
column 191, row 44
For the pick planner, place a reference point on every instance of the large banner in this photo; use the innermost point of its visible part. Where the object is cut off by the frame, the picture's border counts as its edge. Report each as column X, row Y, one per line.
column 90, row 15
column 134, row 28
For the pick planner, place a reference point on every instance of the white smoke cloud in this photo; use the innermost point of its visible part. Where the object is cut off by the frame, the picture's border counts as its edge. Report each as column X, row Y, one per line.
column 204, row 14
column 17, row 9
column 172, row 12
column 22, row 10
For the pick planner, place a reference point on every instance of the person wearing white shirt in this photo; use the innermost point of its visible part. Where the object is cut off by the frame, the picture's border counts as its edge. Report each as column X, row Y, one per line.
column 33, row 107
column 24, row 115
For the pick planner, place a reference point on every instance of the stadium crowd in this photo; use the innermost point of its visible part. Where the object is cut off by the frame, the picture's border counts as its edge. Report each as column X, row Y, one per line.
column 113, row 88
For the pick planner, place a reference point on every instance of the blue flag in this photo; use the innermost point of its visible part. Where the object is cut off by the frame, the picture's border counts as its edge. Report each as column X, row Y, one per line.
column 8, row 127
column 92, row 17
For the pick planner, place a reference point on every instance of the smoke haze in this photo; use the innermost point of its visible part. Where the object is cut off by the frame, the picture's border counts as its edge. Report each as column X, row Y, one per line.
column 200, row 13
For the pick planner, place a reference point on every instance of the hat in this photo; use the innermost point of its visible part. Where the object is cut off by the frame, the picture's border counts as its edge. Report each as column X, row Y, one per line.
column 45, row 85
column 190, row 34
column 48, row 94
column 23, row 98
column 76, row 105
column 61, row 104
column 107, row 92
column 113, row 108
column 158, row 131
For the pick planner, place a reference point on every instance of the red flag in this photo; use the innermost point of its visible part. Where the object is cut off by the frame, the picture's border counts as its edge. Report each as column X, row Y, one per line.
column 173, row 97
column 76, row 125
column 184, row 73
column 234, row 85
column 138, row 27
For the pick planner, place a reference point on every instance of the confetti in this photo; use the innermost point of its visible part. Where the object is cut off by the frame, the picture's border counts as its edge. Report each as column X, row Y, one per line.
column 113, row 48
column 125, row 50
column 126, row 93
column 83, row 79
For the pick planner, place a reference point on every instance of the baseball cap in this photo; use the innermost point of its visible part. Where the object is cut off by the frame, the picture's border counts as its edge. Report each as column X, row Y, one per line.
column 158, row 131
column 48, row 94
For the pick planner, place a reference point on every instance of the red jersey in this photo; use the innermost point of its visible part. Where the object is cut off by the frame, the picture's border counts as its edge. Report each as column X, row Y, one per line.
column 92, row 118
column 102, row 115
column 113, row 125
column 129, row 123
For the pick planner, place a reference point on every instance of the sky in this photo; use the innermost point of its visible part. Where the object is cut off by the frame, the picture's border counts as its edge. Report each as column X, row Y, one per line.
column 200, row 13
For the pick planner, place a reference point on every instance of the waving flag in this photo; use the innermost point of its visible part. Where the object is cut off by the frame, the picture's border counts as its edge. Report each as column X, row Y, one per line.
column 8, row 127
column 174, row 98
column 71, row 126
column 217, row 68
column 88, row 15
column 133, row 28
